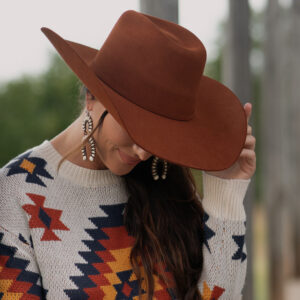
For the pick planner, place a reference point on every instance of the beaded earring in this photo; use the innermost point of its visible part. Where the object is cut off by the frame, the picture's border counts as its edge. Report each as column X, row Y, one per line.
column 88, row 121
column 154, row 169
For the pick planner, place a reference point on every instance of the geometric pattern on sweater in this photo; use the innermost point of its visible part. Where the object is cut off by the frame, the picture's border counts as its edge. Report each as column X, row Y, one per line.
column 208, row 232
column 22, row 239
column 240, row 241
column 108, row 273
column 213, row 294
column 44, row 217
column 219, row 268
column 32, row 166
column 15, row 281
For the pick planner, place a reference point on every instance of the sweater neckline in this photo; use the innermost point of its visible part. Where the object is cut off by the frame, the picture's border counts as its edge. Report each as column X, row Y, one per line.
column 74, row 173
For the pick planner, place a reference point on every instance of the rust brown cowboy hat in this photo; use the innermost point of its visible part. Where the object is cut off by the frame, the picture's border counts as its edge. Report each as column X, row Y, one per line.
column 149, row 76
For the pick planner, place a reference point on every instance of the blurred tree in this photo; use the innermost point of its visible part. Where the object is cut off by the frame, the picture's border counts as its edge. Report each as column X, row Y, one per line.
column 293, row 68
column 273, row 144
column 167, row 9
column 236, row 75
column 36, row 108
column 281, row 143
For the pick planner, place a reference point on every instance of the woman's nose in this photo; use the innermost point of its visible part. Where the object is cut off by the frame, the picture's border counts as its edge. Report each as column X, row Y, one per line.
column 142, row 154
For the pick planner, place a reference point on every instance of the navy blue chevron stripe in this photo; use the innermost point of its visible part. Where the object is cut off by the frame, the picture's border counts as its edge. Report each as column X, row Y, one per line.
column 114, row 218
column 208, row 232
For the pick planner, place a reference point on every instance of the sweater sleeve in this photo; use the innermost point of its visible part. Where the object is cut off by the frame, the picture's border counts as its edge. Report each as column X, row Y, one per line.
column 19, row 272
column 224, row 250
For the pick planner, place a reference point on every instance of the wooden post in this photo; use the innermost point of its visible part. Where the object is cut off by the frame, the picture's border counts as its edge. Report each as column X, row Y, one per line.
column 294, row 155
column 236, row 75
column 166, row 9
column 274, row 147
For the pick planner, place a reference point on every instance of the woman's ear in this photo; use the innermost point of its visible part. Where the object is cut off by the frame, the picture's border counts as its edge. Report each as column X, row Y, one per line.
column 89, row 100
column 89, row 95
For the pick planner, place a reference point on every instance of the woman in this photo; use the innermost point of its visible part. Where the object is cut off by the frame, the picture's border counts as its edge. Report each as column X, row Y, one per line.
column 111, row 211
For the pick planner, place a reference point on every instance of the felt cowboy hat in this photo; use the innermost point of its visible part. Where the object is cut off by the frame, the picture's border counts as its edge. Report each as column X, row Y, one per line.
column 149, row 76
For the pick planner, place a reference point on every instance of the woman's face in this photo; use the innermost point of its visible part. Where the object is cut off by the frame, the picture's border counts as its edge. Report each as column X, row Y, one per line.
column 115, row 149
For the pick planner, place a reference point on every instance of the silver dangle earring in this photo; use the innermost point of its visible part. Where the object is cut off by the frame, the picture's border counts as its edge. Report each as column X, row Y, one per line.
column 154, row 169
column 89, row 122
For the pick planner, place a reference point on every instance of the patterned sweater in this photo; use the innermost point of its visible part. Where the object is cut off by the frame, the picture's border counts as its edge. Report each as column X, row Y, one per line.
column 62, row 235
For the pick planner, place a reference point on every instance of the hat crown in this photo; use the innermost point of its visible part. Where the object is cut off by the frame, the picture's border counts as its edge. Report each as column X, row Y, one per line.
column 153, row 63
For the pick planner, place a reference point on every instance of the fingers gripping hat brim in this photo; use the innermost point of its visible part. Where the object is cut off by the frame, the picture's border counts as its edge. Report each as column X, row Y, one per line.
column 211, row 140
column 200, row 143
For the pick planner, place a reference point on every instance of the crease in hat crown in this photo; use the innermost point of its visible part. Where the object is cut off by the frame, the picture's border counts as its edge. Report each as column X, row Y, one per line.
column 143, row 64
column 144, row 58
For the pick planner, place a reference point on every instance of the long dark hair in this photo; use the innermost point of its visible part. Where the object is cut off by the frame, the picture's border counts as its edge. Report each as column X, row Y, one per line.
column 166, row 219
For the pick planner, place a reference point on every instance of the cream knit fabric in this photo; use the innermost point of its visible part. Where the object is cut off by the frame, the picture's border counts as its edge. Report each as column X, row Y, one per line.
column 62, row 235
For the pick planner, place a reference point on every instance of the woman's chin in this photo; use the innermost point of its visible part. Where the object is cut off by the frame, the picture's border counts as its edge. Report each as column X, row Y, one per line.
column 121, row 170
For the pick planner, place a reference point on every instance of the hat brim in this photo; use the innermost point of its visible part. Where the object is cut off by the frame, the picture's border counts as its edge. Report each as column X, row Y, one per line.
column 212, row 140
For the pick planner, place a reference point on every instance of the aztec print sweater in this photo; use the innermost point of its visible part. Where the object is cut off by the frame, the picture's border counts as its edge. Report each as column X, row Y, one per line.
column 62, row 235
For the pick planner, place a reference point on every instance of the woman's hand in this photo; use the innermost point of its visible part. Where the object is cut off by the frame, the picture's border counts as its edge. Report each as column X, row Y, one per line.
column 245, row 166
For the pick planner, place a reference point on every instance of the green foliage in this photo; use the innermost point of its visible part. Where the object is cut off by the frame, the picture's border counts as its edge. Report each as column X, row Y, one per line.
column 37, row 108
column 199, row 181
column 213, row 68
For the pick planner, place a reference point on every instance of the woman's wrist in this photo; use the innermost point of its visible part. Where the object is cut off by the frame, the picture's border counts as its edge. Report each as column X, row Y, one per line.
column 223, row 198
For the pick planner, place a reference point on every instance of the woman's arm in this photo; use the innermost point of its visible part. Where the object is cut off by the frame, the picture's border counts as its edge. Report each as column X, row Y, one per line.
column 19, row 273
column 224, row 250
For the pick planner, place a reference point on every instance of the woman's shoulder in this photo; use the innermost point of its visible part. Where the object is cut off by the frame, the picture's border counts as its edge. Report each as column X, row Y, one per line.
column 15, row 176
column 20, row 177
column 21, row 169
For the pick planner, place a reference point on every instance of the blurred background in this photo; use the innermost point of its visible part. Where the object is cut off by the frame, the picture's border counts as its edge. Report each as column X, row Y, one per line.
column 252, row 46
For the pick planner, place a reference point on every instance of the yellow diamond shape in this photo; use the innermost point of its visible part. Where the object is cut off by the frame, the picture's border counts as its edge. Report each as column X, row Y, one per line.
column 27, row 165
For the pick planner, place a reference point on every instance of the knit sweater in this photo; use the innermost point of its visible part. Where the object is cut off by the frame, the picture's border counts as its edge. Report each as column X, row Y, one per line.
column 62, row 234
